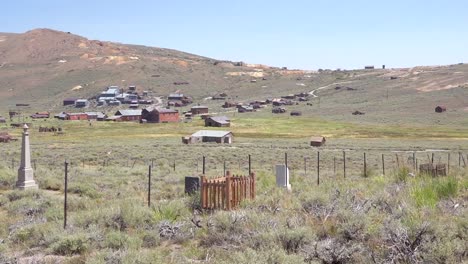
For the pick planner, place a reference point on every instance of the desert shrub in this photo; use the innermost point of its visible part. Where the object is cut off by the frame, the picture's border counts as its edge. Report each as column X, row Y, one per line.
column 292, row 240
column 84, row 189
column 247, row 256
column 50, row 183
column 150, row 239
column 405, row 245
column 170, row 210
column 331, row 251
column 119, row 240
column 401, row 175
column 429, row 191
column 7, row 178
column 71, row 244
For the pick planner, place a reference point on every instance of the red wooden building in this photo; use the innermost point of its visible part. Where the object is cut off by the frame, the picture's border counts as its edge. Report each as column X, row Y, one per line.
column 76, row 116
column 160, row 115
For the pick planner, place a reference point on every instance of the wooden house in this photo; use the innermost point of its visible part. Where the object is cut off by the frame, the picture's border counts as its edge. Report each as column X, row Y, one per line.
column 69, row 101
column 217, row 121
column 128, row 115
column 159, row 115
column 216, row 136
column 199, row 109
column 76, row 116
column 317, row 141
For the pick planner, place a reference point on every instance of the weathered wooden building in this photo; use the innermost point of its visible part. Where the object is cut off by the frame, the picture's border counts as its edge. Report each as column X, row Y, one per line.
column 76, row 116
column 69, row 101
column 217, row 121
column 199, row 109
column 128, row 115
column 216, row 136
column 159, row 115
column 317, row 141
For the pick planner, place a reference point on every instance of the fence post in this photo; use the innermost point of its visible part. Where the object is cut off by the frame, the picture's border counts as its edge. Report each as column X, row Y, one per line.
column 459, row 160
column 414, row 161
column 286, row 160
column 383, row 164
column 448, row 163
column 149, row 185
column 65, row 197
column 203, row 191
column 365, row 165
column 397, row 160
column 432, row 158
column 344, row 164
column 203, row 166
column 318, row 167
column 174, row 165
column 228, row 191
column 224, row 168
column 250, row 166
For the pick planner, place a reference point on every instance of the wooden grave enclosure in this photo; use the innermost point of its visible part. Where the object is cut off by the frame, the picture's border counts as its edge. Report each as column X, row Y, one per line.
column 226, row 193
column 433, row 169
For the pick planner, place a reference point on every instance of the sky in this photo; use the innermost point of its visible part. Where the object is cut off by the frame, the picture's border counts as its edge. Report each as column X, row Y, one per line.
column 297, row 34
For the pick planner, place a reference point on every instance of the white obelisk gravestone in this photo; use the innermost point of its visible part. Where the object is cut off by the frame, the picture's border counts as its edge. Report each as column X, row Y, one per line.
column 25, row 171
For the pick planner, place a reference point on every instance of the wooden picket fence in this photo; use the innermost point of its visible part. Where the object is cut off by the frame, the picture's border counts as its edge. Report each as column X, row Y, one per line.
column 226, row 193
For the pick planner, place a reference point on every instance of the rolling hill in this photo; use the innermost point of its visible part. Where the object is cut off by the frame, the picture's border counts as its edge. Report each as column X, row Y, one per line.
column 41, row 67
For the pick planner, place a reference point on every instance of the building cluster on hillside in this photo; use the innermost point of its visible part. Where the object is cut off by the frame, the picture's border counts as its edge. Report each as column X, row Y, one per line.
column 277, row 103
column 112, row 96
column 178, row 100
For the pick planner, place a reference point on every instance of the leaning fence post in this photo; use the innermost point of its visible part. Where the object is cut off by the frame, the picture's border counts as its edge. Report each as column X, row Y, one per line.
column 318, row 167
column 65, row 197
column 149, row 185
column 228, row 191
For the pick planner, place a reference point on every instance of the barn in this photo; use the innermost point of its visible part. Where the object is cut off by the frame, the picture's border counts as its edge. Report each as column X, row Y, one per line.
column 440, row 109
column 76, row 116
column 217, row 121
column 209, row 136
column 317, row 141
column 199, row 109
column 128, row 115
column 159, row 115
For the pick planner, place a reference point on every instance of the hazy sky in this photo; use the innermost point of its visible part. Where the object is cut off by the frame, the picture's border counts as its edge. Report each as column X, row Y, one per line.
column 297, row 34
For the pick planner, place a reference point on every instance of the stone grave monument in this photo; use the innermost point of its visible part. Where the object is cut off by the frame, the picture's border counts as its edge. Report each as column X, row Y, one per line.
column 25, row 171
column 282, row 177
